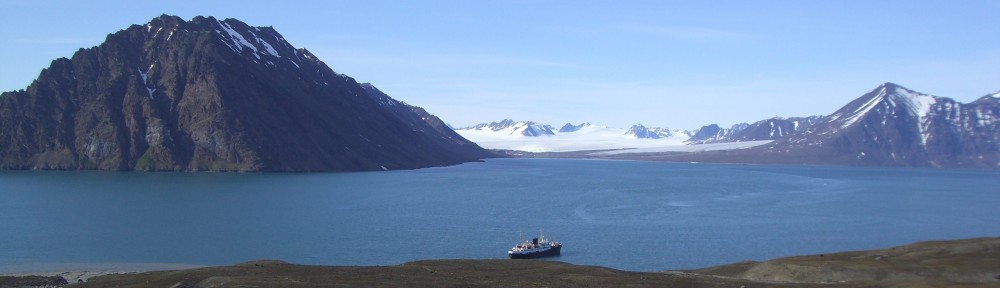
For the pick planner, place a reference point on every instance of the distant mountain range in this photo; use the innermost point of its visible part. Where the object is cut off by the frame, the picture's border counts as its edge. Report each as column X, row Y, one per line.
column 216, row 95
column 511, row 127
column 531, row 136
column 889, row 126
column 534, row 129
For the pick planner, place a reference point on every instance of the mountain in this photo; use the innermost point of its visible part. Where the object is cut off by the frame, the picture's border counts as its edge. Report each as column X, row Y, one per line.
column 893, row 125
column 215, row 95
column 643, row 132
column 511, row 127
column 573, row 128
column 768, row 129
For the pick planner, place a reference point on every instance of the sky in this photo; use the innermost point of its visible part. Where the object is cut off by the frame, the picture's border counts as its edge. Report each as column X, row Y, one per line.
column 672, row 64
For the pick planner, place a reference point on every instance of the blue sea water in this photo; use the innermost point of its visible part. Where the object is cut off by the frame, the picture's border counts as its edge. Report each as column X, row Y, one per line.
column 631, row 215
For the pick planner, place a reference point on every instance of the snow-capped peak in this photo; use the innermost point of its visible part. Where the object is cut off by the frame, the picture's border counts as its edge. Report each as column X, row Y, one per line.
column 511, row 127
column 641, row 131
column 887, row 103
column 849, row 118
column 888, row 95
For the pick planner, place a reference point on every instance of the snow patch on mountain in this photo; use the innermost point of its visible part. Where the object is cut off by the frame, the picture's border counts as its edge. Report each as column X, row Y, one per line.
column 919, row 105
column 853, row 117
column 144, row 76
column 267, row 46
column 235, row 41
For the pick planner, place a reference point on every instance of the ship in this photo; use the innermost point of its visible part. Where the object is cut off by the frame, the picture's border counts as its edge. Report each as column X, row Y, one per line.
column 536, row 248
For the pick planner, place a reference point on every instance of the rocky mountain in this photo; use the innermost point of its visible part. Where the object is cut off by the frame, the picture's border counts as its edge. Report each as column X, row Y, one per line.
column 893, row 125
column 511, row 127
column 573, row 128
column 643, row 132
column 768, row 129
column 219, row 95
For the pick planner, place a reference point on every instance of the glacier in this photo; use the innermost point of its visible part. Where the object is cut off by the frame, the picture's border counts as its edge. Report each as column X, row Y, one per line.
column 585, row 137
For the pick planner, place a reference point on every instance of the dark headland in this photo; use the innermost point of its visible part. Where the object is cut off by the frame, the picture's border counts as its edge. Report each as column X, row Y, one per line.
column 956, row 263
column 176, row 95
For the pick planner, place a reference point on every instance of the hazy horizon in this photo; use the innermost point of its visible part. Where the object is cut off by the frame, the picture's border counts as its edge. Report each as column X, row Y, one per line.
column 667, row 64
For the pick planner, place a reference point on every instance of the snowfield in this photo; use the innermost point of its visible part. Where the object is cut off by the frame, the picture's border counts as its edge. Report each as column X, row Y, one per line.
column 690, row 148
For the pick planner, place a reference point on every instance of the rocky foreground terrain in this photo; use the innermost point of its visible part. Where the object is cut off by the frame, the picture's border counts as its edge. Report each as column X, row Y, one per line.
column 958, row 263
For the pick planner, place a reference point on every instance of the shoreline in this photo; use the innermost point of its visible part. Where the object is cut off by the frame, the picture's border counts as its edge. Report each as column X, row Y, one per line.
column 81, row 272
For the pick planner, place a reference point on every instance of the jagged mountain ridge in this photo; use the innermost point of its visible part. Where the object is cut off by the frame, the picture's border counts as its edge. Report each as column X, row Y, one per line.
column 643, row 132
column 568, row 127
column 511, row 127
column 209, row 94
column 767, row 129
column 534, row 129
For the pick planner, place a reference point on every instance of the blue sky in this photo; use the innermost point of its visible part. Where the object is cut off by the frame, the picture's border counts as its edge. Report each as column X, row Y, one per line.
column 677, row 64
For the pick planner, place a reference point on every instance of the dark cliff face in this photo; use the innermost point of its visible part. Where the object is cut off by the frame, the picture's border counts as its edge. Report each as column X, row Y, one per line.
column 208, row 95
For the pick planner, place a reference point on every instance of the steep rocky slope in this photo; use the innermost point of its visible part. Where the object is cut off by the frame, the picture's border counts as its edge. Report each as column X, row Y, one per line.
column 211, row 94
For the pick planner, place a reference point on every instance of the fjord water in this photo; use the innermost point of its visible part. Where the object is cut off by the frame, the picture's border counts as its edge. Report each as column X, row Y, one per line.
column 630, row 215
